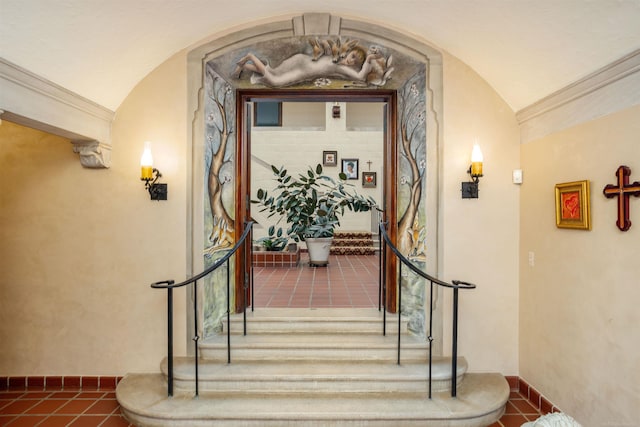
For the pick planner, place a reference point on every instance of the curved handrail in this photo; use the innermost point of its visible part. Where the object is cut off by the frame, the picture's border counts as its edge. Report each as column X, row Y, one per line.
column 455, row 285
column 169, row 284
column 458, row 284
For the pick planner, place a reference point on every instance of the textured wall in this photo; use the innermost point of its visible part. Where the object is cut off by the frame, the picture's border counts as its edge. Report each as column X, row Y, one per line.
column 579, row 340
column 79, row 247
column 480, row 236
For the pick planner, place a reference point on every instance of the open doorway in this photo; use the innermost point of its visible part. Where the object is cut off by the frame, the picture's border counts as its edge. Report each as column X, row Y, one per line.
column 336, row 130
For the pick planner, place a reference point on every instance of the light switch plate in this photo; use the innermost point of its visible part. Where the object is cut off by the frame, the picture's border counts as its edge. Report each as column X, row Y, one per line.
column 517, row 176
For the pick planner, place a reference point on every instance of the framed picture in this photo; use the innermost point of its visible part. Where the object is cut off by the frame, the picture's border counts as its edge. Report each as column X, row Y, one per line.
column 350, row 168
column 573, row 206
column 330, row 158
column 267, row 113
column 368, row 180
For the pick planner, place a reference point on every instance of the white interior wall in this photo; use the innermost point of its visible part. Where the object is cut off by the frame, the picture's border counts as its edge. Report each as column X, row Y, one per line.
column 299, row 143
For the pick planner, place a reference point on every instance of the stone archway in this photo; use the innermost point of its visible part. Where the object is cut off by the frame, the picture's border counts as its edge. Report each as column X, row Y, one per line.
column 213, row 78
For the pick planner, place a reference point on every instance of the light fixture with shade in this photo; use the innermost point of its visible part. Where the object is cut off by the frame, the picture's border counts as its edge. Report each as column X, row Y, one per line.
column 150, row 175
column 470, row 189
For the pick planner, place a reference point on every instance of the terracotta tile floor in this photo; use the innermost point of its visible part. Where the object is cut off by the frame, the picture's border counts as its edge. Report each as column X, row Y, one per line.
column 100, row 409
column 60, row 408
column 348, row 281
column 517, row 412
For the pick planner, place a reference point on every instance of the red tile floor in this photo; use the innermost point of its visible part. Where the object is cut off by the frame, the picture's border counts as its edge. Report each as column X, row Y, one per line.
column 20, row 408
column 348, row 281
column 100, row 409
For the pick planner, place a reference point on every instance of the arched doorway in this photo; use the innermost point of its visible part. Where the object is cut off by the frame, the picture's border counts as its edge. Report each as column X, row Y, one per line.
column 216, row 167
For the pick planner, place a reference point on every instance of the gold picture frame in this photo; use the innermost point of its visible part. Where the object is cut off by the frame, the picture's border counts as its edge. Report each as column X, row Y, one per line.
column 573, row 207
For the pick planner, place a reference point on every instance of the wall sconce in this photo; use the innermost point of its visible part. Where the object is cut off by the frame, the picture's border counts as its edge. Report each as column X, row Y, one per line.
column 470, row 189
column 156, row 191
column 335, row 111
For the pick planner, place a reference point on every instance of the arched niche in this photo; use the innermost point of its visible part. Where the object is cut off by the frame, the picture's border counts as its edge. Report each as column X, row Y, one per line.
column 213, row 80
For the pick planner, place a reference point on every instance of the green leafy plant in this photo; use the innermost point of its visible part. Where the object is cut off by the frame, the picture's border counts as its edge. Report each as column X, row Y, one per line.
column 275, row 241
column 312, row 203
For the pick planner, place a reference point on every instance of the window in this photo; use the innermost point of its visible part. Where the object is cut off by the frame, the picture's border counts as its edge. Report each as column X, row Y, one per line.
column 267, row 113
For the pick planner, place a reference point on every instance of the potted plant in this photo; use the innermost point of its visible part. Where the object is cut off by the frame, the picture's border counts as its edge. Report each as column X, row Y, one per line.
column 311, row 205
column 275, row 241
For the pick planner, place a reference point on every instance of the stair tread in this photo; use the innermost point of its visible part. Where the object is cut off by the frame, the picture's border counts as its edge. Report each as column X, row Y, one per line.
column 321, row 314
column 315, row 370
column 315, row 340
column 481, row 397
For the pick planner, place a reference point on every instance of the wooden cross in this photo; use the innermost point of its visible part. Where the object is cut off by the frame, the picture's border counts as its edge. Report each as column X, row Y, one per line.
column 623, row 191
column 369, row 163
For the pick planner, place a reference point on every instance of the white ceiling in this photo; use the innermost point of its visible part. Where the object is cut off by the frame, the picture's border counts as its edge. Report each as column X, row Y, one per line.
column 525, row 49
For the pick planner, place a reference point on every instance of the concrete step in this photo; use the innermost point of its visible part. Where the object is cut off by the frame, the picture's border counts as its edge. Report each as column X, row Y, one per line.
column 361, row 321
column 314, row 346
column 327, row 377
column 480, row 401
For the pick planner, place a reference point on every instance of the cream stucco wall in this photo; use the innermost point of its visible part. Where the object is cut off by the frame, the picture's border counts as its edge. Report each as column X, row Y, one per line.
column 579, row 336
column 479, row 237
column 79, row 247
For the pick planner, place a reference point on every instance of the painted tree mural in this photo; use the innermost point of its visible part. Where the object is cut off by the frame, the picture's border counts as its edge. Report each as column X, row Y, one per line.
column 219, row 156
column 412, row 135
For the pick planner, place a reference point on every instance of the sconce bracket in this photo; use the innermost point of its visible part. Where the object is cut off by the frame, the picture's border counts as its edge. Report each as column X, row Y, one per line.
column 158, row 191
column 469, row 190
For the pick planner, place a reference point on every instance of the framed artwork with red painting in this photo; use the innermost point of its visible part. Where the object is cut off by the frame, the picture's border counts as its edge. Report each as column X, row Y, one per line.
column 573, row 206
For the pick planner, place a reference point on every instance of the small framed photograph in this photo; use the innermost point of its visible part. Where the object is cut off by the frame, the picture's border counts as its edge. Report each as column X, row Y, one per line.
column 573, row 206
column 330, row 158
column 369, row 180
column 350, row 168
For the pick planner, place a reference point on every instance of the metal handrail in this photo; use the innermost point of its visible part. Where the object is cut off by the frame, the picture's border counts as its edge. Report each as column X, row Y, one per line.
column 456, row 285
column 170, row 285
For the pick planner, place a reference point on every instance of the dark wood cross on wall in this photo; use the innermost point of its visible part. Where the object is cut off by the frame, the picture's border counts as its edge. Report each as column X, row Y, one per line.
column 623, row 190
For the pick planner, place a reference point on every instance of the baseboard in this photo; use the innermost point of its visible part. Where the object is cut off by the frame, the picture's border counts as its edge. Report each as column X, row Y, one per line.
column 534, row 397
column 55, row 383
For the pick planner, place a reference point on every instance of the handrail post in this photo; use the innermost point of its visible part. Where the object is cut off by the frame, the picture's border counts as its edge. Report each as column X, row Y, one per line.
column 430, row 337
column 399, row 307
column 454, row 350
column 245, row 287
column 253, row 295
column 196, row 337
column 228, row 314
column 379, row 268
column 170, row 341
column 384, row 289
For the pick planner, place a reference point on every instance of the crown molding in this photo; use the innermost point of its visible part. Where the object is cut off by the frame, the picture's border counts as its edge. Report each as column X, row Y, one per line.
column 612, row 88
column 30, row 100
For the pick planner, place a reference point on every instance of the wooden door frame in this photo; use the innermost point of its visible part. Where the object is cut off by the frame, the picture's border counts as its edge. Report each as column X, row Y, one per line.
column 243, row 169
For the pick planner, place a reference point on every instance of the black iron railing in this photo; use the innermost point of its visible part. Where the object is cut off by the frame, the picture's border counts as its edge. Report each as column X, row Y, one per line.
column 455, row 285
column 244, row 241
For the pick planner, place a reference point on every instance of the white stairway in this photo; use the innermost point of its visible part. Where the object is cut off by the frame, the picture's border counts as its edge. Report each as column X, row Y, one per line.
column 313, row 367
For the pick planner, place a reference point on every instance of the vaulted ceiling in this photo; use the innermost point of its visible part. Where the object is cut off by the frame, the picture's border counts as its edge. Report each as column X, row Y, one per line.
column 525, row 49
